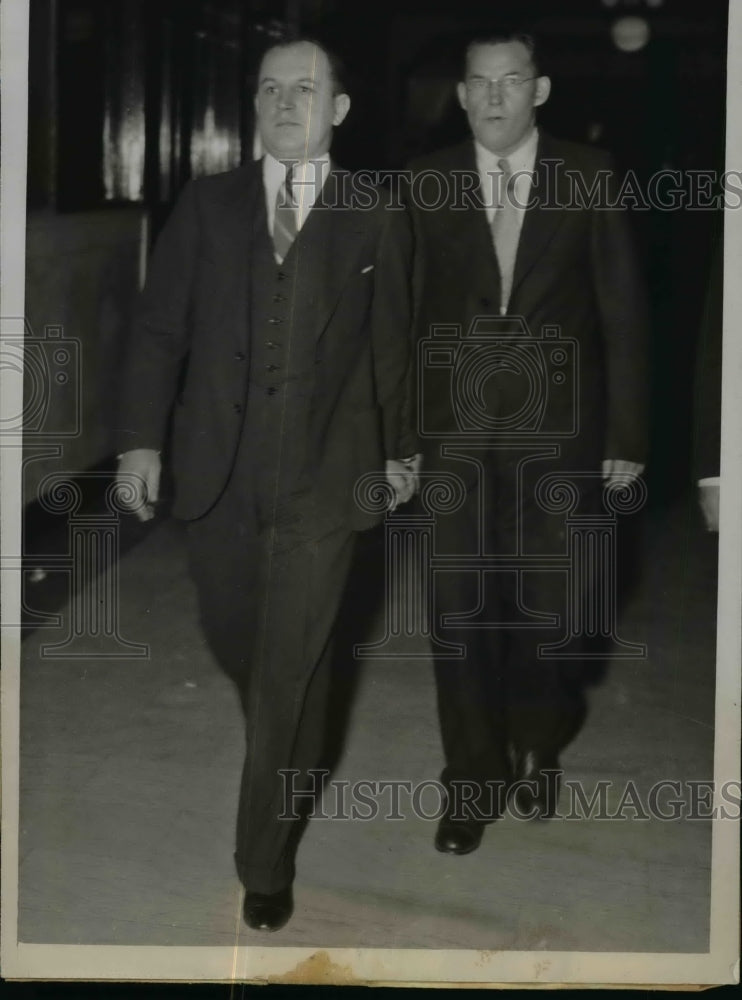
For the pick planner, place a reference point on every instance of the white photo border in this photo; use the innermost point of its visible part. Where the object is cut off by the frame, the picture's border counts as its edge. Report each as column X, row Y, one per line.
column 372, row 966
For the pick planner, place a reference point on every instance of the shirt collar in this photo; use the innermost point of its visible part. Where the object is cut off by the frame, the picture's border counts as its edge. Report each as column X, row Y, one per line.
column 521, row 159
column 308, row 177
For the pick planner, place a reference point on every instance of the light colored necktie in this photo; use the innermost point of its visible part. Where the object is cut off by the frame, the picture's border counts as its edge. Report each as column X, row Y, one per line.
column 284, row 220
column 505, row 231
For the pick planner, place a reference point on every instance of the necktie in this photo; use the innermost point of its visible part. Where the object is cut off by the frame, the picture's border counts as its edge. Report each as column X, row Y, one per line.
column 284, row 220
column 505, row 231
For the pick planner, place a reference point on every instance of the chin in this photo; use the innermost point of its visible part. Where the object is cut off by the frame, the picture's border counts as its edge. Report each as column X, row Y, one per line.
column 495, row 132
column 498, row 142
column 289, row 138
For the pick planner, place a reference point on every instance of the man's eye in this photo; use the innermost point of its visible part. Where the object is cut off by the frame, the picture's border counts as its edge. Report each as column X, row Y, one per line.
column 305, row 89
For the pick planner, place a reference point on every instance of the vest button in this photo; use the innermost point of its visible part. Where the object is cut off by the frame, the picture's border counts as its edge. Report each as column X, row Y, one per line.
column 275, row 320
column 237, row 407
column 239, row 356
column 271, row 345
column 281, row 275
column 279, row 298
column 271, row 368
column 485, row 303
column 271, row 390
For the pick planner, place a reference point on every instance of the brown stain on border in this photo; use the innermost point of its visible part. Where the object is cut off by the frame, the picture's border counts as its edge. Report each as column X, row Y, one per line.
column 318, row 969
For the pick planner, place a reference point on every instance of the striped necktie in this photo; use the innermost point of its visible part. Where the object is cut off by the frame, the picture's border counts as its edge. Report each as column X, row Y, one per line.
column 505, row 231
column 284, row 219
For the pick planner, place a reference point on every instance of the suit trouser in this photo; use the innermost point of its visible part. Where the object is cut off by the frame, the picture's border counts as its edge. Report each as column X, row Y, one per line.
column 268, row 607
column 502, row 693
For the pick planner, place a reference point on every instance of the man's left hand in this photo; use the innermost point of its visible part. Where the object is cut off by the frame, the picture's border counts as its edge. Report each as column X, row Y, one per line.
column 618, row 470
column 402, row 479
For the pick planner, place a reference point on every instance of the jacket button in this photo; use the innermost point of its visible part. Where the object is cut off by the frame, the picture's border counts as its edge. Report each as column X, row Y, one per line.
column 271, row 390
column 279, row 298
column 271, row 345
column 485, row 303
column 275, row 320
column 239, row 356
column 281, row 275
column 271, row 368
column 237, row 407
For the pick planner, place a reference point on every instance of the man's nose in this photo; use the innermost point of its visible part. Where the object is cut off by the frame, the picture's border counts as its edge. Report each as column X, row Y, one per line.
column 494, row 92
column 286, row 98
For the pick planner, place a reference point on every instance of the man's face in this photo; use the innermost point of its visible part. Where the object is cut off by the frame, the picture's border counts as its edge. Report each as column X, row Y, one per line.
column 295, row 105
column 499, row 94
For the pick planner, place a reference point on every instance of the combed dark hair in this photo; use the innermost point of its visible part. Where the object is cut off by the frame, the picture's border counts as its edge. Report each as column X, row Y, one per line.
column 338, row 72
column 501, row 36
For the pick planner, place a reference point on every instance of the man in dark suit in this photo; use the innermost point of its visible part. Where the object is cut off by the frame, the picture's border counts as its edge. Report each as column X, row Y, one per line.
column 291, row 310
column 550, row 380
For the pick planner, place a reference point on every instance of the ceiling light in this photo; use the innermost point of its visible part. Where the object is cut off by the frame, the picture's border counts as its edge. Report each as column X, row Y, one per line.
column 630, row 34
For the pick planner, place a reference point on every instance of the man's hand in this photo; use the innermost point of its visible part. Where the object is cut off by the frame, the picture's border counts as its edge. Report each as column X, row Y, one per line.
column 617, row 470
column 708, row 501
column 414, row 464
column 402, row 478
column 139, row 470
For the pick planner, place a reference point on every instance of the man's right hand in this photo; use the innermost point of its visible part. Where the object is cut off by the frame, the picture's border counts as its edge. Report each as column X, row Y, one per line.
column 708, row 501
column 139, row 471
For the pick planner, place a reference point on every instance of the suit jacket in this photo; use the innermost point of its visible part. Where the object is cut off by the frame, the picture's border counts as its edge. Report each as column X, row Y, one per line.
column 575, row 270
column 351, row 298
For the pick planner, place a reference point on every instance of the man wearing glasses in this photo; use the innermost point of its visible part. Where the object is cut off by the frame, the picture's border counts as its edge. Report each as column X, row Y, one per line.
column 532, row 288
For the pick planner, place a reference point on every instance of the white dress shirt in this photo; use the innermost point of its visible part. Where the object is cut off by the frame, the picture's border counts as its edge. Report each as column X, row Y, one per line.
column 307, row 180
column 522, row 161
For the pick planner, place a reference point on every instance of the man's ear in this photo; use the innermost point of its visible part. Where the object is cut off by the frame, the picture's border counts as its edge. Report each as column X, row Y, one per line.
column 342, row 107
column 461, row 94
column 543, row 89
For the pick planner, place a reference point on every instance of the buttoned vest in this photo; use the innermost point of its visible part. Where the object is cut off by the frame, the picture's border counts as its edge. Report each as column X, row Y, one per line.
column 273, row 447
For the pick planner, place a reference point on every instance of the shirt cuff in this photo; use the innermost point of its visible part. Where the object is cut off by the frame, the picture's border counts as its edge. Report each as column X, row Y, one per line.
column 121, row 454
column 710, row 481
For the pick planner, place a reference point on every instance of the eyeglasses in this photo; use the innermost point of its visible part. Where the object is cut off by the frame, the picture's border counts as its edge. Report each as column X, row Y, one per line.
column 509, row 83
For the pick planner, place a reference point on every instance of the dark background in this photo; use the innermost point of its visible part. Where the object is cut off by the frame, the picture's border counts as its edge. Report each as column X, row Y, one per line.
column 147, row 93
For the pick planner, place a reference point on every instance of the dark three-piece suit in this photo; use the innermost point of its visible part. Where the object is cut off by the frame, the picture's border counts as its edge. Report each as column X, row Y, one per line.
column 583, row 400
column 294, row 387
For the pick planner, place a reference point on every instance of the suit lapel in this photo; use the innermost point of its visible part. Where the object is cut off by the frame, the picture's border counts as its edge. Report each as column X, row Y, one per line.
column 322, row 258
column 242, row 214
column 540, row 223
column 324, row 254
column 467, row 229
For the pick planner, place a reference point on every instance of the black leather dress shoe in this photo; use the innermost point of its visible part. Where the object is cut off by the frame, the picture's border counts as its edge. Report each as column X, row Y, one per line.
column 268, row 912
column 458, row 836
column 536, row 789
